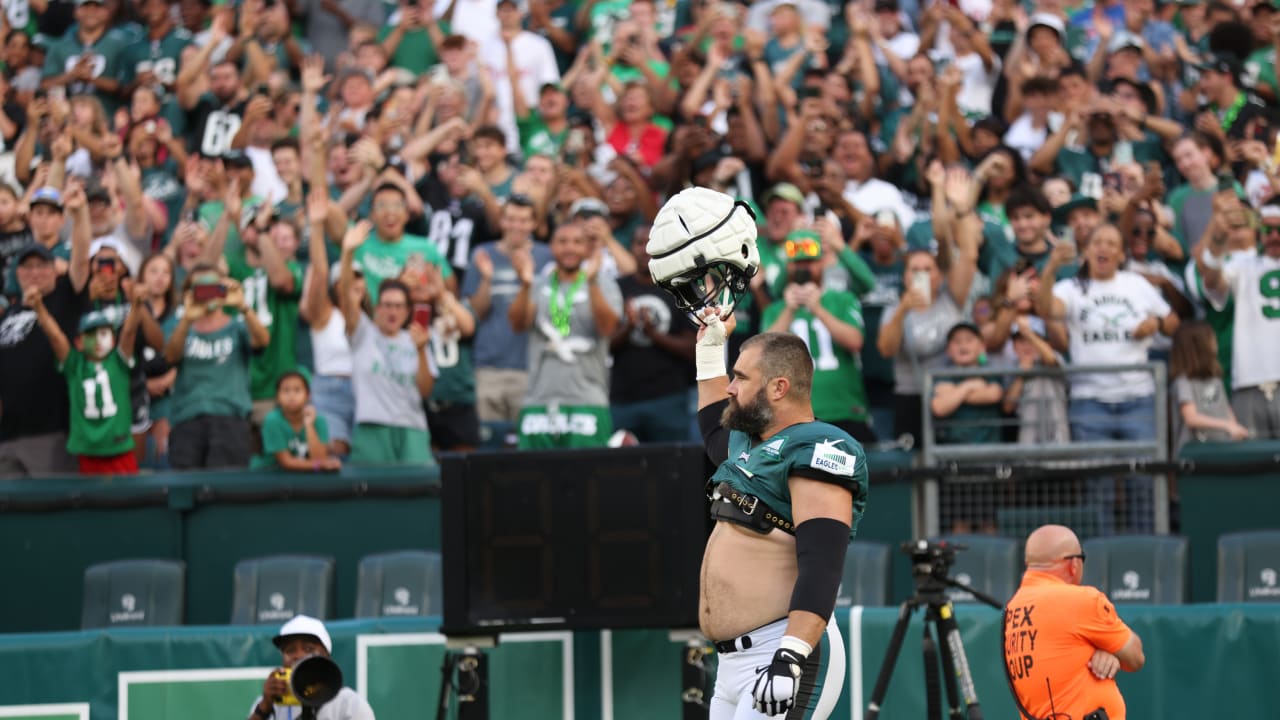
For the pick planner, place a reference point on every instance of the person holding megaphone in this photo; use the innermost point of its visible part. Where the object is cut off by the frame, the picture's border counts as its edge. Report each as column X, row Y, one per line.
column 308, row 684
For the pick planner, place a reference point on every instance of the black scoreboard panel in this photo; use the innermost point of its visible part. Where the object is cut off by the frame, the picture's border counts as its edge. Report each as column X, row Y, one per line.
column 587, row 539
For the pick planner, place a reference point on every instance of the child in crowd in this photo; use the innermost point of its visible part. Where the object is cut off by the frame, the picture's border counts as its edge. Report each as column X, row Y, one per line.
column 294, row 436
column 1039, row 402
column 97, row 370
column 969, row 407
column 1203, row 408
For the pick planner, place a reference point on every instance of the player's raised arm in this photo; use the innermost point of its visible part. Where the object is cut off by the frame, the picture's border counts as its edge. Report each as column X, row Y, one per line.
column 702, row 250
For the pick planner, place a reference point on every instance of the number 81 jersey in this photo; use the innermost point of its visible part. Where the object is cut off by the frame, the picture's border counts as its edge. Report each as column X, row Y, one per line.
column 101, row 412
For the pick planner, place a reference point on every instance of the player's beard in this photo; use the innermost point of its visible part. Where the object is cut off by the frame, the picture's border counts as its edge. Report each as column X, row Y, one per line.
column 752, row 419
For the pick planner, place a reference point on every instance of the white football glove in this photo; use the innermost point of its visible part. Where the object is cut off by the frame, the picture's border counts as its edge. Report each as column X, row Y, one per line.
column 778, row 683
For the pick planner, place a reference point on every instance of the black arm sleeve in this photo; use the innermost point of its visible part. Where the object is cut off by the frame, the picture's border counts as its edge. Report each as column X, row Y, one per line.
column 714, row 437
column 821, row 544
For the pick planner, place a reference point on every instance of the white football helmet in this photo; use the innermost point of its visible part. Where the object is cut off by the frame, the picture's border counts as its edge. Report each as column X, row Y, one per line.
column 702, row 250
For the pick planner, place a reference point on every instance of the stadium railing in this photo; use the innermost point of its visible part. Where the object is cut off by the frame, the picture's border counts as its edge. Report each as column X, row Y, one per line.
column 1009, row 488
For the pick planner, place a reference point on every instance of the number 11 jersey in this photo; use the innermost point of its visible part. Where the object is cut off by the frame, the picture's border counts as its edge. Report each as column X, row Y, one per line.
column 101, row 413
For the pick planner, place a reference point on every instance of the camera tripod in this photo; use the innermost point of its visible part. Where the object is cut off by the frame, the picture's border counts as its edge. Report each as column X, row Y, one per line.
column 464, row 678
column 939, row 620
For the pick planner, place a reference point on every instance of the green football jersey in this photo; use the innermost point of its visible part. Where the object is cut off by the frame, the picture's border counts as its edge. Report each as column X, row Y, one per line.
column 813, row 450
column 456, row 382
column 278, row 313
column 213, row 376
column 381, row 260
column 536, row 138
column 64, row 53
column 160, row 57
column 838, row 393
column 278, row 435
column 101, row 411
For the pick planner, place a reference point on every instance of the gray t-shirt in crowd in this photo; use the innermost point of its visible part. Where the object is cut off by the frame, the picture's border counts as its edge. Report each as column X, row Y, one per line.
column 348, row 705
column 585, row 381
column 496, row 345
column 1042, row 410
column 384, row 374
column 328, row 35
column 1210, row 398
column 924, row 341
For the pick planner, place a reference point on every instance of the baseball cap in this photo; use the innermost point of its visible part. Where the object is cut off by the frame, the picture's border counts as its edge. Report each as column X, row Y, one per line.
column 1224, row 63
column 47, row 196
column 95, row 191
column 887, row 6
column 34, row 248
column 106, row 242
column 784, row 191
column 803, row 245
column 93, row 320
column 1063, row 211
column 88, row 2
column 708, row 159
column 588, row 206
column 304, row 625
column 550, row 86
column 961, row 326
column 1049, row 20
column 236, row 158
column 1125, row 40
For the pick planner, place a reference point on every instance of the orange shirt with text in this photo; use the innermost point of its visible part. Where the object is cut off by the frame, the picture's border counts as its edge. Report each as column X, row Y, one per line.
column 1051, row 631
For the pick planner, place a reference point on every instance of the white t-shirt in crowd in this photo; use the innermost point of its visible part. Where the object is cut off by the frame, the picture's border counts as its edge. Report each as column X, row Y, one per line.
column 476, row 20
column 1254, row 280
column 536, row 62
column 1027, row 139
column 266, row 179
column 1101, row 317
column 979, row 83
column 875, row 195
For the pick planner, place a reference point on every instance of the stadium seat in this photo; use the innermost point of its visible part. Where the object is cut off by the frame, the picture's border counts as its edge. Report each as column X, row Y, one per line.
column 1248, row 564
column 272, row 589
column 866, row 579
column 497, row 435
column 133, row 592
column 407, row 582
column 1138, row 569
column 992, row 565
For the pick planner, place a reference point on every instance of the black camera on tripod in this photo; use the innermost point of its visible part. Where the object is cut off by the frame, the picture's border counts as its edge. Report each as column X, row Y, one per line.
column 931, row 561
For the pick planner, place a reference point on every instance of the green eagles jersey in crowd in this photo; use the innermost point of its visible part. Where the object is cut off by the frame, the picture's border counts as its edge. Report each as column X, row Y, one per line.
column 838, row 393
column 101, row 411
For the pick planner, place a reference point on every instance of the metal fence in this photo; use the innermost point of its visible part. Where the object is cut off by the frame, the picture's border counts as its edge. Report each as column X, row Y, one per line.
column 1027, row 469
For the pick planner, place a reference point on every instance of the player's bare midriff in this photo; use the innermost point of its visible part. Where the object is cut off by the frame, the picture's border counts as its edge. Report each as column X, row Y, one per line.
column 747, row 579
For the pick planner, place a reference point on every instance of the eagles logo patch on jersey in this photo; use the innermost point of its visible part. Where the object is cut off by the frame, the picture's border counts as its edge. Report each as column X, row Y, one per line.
column 828, row 458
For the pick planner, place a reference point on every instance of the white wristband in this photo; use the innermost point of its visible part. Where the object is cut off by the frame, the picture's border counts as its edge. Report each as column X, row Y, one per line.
column 708, row 354
column 795, row 645
column 709, row 360
column 1209, row 260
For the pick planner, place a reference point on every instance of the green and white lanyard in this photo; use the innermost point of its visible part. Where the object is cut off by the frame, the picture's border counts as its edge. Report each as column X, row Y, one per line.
column 561, row 306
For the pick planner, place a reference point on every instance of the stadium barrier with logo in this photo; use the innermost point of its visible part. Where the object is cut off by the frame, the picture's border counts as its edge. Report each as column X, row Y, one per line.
column 1202, row 661
column 51, row 530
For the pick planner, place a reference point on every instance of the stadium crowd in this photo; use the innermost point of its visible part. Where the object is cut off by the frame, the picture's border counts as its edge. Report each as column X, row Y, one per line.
column 298, row 233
